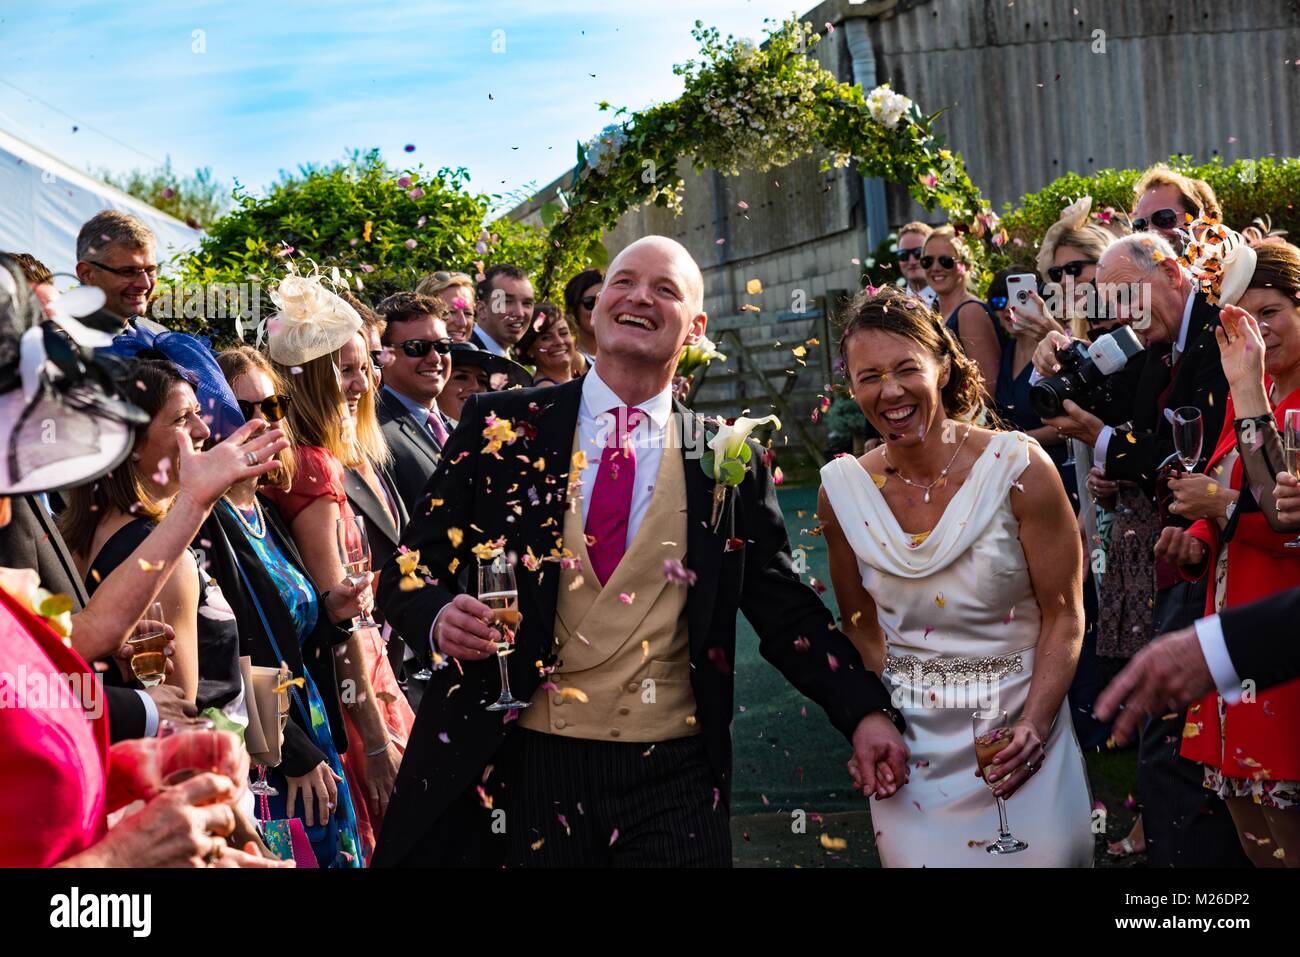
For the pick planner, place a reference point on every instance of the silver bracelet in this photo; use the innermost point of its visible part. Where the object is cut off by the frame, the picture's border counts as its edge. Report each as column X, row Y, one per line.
column 378, row 751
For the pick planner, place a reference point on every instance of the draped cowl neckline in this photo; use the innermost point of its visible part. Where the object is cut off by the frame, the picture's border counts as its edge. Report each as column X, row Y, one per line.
column 875, row 535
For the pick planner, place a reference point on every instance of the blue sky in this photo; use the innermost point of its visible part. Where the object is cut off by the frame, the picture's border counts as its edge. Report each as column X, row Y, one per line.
column 283, row 83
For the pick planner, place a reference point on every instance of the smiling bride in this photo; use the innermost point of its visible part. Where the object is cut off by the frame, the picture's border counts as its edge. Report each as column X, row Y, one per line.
column 958, row 570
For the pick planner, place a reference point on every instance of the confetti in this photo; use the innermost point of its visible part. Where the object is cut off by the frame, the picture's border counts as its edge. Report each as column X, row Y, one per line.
column 833, row 843
column 151, row 566
column 939, row 600
column 456, row 536
column 754, row 287
column 613, row 837
column 574, row 694
column 677, row 573
column 626, row 597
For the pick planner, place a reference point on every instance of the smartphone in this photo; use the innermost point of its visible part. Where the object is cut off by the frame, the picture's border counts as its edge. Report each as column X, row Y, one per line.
column 1019, row 286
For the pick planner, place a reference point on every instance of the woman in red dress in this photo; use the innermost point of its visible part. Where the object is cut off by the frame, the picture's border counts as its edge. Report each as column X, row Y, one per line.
column 317, row 346
column 1251, row 750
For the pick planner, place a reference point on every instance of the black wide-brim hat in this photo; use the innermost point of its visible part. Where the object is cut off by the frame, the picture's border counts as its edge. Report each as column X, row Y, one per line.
column 63, row 421
column 469, row 354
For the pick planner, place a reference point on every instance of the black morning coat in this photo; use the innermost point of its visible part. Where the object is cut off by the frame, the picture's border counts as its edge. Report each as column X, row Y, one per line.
column 222, row 540
column 1198, row 381
column 436, row 816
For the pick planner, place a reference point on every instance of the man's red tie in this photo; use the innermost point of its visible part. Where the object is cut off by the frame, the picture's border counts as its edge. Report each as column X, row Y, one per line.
column 611, row 497
column 439, row 430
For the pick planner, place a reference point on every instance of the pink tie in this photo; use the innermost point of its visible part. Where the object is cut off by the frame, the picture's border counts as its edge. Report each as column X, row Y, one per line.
column 439, row 430
column 611, row 498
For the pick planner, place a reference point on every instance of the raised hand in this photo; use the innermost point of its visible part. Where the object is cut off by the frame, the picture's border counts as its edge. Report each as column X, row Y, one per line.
column 248, row 452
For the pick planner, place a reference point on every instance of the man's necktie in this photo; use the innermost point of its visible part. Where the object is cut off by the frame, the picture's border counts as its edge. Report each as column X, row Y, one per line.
column 611, row 497
column 439, row 430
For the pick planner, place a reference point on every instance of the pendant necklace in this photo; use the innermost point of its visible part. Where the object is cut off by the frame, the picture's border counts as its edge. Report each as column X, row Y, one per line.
column 942, row 475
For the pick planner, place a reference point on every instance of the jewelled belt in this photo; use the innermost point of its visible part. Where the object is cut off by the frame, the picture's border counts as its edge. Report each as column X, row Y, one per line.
column 954, row 670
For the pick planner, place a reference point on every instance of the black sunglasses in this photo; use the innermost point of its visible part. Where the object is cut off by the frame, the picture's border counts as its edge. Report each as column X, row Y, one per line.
column 1074, row 267
column 1161, row 219
column 913, row 252
column 273, row 408
column 589, row 303
column 419, row 348
column 947, row 262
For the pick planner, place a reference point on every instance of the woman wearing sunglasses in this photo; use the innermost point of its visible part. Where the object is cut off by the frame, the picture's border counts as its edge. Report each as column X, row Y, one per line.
column 283, row 618
column 579, row 300
column 947, row 262
column 456, row 290
column 316, row 347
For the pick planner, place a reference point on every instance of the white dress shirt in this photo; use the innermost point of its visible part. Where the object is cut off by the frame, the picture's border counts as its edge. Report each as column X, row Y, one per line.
column 489, row 343
column 1209, row 633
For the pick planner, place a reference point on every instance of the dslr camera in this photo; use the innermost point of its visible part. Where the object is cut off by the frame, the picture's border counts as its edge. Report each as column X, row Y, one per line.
column 1085, row 374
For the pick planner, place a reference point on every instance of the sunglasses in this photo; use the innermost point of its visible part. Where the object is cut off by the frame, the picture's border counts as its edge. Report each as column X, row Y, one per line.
column 998, row 302
column 377, row 357
column 947, row 262
column 1160, row 219
column 419, row 348
column 913, row 252
column 273, row 408
column 1073, row 268
column 588, row 303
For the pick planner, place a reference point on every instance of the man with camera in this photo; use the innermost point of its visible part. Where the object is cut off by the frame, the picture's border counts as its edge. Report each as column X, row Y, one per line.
column 1142, row 281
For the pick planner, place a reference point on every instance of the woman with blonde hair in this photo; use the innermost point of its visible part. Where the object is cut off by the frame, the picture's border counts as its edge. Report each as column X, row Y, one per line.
column 949, row 267
column 316, row 346
column 456, row 289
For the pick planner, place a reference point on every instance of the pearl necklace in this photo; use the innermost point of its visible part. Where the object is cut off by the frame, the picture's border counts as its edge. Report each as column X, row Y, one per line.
column 257, row 529
column 942, row 475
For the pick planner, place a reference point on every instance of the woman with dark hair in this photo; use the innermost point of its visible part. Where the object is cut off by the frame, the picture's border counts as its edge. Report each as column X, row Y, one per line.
column 283, row 618
column 548, row 346
column 580, row 294
column 106, row 521
column 959, row 544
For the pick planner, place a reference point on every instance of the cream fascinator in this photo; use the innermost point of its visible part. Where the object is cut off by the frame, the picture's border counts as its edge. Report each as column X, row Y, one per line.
column 311, row 321
column 1220, row 260
column 1073, row 218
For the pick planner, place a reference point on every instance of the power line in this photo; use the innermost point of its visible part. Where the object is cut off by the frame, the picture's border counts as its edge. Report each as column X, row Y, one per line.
column 81, row 125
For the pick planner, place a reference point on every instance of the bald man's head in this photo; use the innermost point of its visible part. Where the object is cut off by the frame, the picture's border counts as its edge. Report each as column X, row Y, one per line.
column 652, row 303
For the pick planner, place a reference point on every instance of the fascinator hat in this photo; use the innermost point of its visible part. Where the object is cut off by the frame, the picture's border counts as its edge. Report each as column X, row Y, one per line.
column 63, row 421
column 1078, row 226
column 1220, row 260
column 311, row 322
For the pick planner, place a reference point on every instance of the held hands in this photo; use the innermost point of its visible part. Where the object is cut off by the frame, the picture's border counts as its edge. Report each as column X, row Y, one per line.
column 462, row 630
column 1199, row 496
column 1045, row 354
column 1018, row 761
column 248, row 452
column 1176, row 546
column 1077, row 423
column 879, row 762
column 1241, row 348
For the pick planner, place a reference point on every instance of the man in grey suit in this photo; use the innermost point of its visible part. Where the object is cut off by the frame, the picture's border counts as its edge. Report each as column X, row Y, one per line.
column 415, row 374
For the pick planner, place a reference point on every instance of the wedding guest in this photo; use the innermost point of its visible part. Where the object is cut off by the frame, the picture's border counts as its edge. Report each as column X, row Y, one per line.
column 475, row 370
column 580, row 294
column 948, row 267
column 105, row 522
column 911, row 247
column 952, row 552
column 1165, row 201
column 282, row 618
column 317, row 349
column 548, row 346
column 419, row 368
column 504, row 308
column 372, row 328
column 117, row 253
column 456, row 290
column 1250, row 749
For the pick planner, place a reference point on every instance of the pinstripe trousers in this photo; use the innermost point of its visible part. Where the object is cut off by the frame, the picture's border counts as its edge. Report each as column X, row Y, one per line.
column 572, row 802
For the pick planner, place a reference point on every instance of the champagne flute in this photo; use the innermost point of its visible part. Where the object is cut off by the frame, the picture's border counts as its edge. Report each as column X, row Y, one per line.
column 1189, row 433
column 195, row 754
column 1291, row 449
column 355, row 555
column 149, row 648
column 497, row 590
column 992, row 731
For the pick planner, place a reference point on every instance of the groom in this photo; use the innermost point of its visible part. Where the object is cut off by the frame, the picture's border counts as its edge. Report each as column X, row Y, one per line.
column 624, row 756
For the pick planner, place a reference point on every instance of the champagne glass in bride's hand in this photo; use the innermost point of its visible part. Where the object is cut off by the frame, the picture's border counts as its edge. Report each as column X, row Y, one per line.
column 497, row 590
column 993, row 733
column 355, row 555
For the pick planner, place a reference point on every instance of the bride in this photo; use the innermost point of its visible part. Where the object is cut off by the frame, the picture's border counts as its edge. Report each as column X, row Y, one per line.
column 957, row 567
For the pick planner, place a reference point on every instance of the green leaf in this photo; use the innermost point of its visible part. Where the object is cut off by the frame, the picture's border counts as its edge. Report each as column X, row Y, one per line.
column 706, row 462
column 733, row 472
column 746, row 452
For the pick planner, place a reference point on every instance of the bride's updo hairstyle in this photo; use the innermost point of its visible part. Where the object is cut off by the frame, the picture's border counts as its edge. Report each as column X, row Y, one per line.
column 889, row 309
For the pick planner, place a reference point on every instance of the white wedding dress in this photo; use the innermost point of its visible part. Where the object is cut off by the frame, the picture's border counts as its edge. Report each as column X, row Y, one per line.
column 961, row 623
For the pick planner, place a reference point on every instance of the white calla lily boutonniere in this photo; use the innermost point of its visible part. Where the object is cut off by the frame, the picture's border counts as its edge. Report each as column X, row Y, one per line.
column 729, row 457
